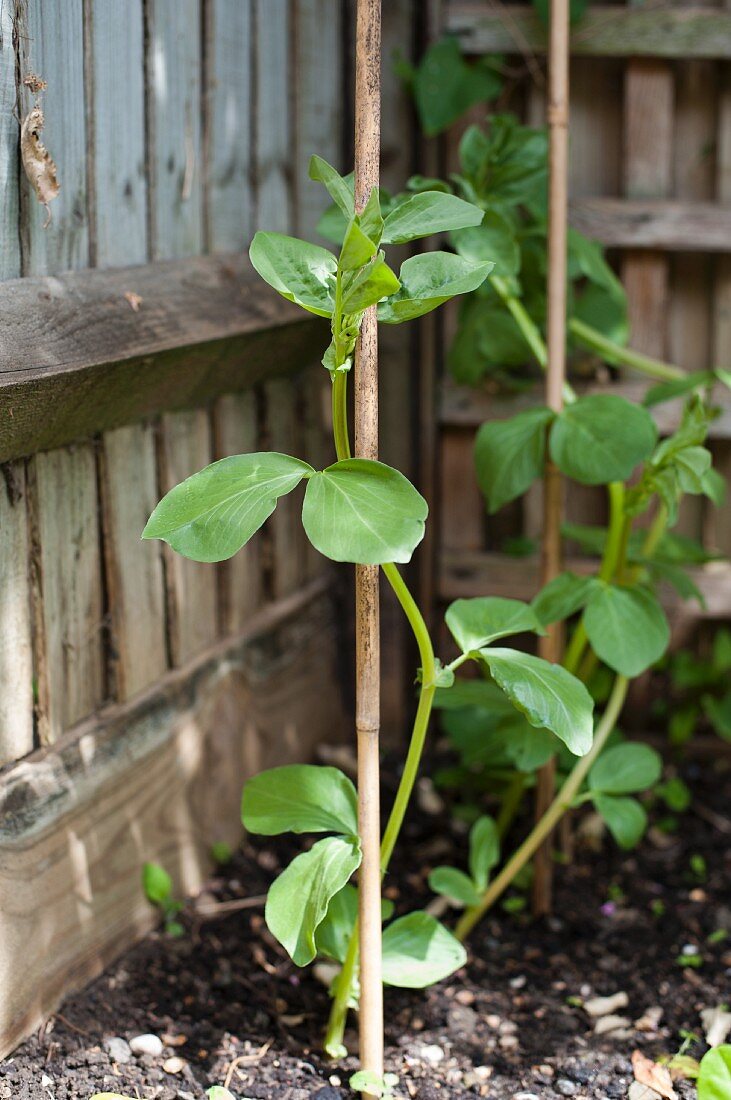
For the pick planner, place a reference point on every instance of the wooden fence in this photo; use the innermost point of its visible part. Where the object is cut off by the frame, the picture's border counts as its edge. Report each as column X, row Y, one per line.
column 651, row 178
column 137, row 690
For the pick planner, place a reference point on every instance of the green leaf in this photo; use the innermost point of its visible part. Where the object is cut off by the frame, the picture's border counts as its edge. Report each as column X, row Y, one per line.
column 299, row 898
column 510, row 455
column 601, row 438
column 340, row 190
column 429, row 280
column 484, row 850
column 445, row 86
column 428, row 212
column 363, row 511
column 301, row 272
column 476, row 622
column 624, row 817
column 452, row 883
column 493, row 239
column 718, row 712
column 625, row 769
column 549, row 696
column 357, row 248
column 156, row 883
column 605, row 311
column 371, row 220
column 369, row 285
column 110, row 1096
column 678, row 387
column 300, row 798
column 471, row 693
column 209, row 516
column 714, row 1078
column 217, row 1092
column 562, row 597
column 526, row 747
column 627, row 628
column 419, row 951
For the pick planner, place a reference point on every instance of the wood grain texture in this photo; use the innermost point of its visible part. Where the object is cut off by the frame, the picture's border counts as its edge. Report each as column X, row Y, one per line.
column 9, row 138
column 462, row 508
column 51, row 41
column 186, row 446
column 134, row 568
column 174, row 128
column 677, row 225
column 604, row 30
column 16, row 658
column 159, row 779
column 229, row 136
column 236, row 432
column 273, row 169
column 115, row 33
column 67, row 588
column 76, row 358
column 285, row 525
column 318, row 104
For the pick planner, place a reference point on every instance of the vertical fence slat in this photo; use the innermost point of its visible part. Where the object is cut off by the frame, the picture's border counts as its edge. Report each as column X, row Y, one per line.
column 718, row 522
column 16, row 659
column 236, row 433
column 52, row 47
column 68, row 636
column 186, row 446
column 116, row 37
column 273, row 136
column 174, row 125
column 9, row 206
column 228, row 131
column 318, row 103
column 288, row 538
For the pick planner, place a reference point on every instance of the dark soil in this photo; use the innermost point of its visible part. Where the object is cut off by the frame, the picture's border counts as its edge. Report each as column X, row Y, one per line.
column 511, row 1025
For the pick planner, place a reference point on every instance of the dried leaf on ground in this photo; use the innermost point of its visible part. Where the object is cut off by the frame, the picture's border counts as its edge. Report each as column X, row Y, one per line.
column 38, row 164
column 716, row 1024
column 653, row 1075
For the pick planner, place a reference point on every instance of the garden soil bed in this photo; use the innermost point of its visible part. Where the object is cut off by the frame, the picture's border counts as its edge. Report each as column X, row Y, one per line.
column 512, row 1025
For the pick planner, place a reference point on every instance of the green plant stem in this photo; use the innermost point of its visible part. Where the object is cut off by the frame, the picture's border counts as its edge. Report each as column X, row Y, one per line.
column 553, row 815
column 337, row 1019
column 618, row 356
column 529, row 329
column 340, row 414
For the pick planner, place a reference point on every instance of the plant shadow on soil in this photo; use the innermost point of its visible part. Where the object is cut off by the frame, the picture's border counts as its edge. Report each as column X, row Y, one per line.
column 510, row 1025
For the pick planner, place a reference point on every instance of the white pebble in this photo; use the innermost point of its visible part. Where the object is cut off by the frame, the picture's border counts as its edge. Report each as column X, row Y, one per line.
column 146, row 1044
column 118, row 1050
column 431, row 1053
column 605, row 1006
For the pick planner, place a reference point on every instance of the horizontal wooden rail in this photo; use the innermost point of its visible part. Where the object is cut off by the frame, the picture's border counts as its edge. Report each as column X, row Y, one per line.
column 606, row 31
column 87, row 351
column 652, row 223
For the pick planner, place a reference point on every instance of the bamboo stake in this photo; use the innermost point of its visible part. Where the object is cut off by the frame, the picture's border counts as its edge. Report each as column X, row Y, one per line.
column 550, row 646
column 367, row 158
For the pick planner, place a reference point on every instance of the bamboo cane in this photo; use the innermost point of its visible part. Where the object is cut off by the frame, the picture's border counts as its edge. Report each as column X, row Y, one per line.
column 550, row 646
column 367, row 156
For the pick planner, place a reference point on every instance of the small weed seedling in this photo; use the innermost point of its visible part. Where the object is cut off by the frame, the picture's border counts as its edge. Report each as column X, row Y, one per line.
column 158, row 887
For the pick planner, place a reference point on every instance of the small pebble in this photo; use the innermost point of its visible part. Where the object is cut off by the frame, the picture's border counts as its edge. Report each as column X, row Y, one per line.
column 174, row 1065
column 565, row 1087
column 605, row 1006
column 431, row 1053
column 606, row 1024
column 118, row 1050
column 525, row 1096
column 46, row 1081
column 146, row 1044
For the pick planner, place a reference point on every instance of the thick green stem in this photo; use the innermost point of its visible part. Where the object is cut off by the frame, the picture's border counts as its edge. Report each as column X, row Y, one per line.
column 343, row 986
column 623, row 357
column 340, row 414
column 529, row 329
column 550, row 819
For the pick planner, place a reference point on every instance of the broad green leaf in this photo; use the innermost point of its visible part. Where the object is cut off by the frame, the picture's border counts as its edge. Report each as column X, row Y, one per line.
column 484, row 850
column 605, row 311
column 625, row 769
column 476, row 622
column 426, row 213
column 301, row 272
column 429, row 280
column 678, row 578
column 300, row 798
column 445, row 86
column 562, row 597
column 453, row 883
column 624, row 817
column 156, row 883
column 510, row 455
column 526, row 747
column 357, row 248
column 714, row 1077
column 587, row 256
column 371, row 220
column 419, row 951
column 364, row 512
column 471, row 693
column 298, row 899
column 478, row 736
column 369, row 285
column 492, row 239
column 627, row 628
column 339, row 189
column 333, row 934
column 601, row 438
column 209, row 516
column 508, row 164
column 549, row 696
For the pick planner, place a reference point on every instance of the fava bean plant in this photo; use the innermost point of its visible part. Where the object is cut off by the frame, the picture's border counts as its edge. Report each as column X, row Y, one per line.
column 599, row 440
column 365, row 512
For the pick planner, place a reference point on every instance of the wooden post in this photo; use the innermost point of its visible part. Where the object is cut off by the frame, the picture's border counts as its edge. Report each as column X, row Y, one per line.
column 550, row 646
column 367, row 707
